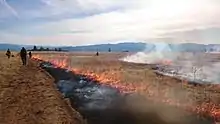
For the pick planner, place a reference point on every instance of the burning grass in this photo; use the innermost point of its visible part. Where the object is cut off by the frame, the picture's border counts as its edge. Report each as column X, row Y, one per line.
column 203, row 99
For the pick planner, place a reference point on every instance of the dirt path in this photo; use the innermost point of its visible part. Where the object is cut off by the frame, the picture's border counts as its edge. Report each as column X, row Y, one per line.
column 28, row 96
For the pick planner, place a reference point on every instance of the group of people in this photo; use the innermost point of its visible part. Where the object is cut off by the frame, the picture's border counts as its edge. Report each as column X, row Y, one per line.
column 23, row 55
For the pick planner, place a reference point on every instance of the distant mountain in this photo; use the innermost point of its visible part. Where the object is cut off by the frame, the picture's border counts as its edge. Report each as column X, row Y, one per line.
column 213, row 48
column 131, row 47
column 192, row 47
column 15, row 47
column 12, row 47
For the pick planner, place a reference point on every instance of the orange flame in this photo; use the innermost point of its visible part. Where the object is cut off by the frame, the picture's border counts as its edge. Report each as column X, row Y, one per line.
column 167, row 62
column 210, row 109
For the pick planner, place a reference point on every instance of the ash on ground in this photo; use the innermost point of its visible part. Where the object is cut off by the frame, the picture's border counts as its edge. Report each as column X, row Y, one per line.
column 100, row 104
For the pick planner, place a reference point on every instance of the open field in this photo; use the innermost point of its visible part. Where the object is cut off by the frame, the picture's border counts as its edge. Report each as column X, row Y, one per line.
column 28, row 96
column 129, row 77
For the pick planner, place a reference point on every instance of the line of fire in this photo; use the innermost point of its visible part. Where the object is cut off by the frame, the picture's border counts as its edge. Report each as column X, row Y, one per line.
column 206, row 110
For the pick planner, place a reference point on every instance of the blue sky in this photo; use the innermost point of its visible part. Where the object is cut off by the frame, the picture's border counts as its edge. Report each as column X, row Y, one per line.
column 80, row 22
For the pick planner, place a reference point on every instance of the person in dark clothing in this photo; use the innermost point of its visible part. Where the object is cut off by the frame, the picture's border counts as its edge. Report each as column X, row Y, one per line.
column 97, row 53
column 30, row 54
column 8, row 54
column 23, row 55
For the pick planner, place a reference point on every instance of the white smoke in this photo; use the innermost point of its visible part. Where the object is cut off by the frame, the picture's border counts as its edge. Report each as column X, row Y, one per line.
column 12, row 10
column 195, row 66
column 155, row 54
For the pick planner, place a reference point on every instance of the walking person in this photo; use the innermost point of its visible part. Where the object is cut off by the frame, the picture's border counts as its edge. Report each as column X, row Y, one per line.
column 8, row 54
column 97, row 53
column 30, row 55
column 23, row 55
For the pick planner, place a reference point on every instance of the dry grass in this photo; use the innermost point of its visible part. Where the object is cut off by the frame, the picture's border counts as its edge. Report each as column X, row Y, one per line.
column 28, row 96
column 145, row 81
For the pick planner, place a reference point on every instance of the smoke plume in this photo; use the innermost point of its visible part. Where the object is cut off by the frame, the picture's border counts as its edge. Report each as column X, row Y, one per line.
column 153, row 54
column 198, row 65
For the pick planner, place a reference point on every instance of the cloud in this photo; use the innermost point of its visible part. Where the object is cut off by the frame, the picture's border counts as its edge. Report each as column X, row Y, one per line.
column 78, row 22
column 4, row 2
column 79, row 7
column 200, row 35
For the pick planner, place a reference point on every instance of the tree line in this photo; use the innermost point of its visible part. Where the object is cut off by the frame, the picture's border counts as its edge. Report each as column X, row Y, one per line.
column 35, row 48
column 45, row 49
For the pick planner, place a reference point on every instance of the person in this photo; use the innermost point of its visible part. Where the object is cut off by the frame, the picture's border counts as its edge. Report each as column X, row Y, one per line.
column 8, row 54
column 97, row 54
column 30, row 54
column 23, row 55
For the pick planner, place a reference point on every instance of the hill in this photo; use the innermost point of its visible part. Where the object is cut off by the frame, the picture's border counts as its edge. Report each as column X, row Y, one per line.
column 12, row 47
column 132, row 47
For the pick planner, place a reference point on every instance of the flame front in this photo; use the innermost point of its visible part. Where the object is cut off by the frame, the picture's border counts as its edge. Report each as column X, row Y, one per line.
column 167, row 62
column 206, row 109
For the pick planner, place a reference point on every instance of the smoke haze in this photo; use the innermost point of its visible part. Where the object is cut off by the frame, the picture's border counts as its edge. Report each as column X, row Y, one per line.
column 197, row 65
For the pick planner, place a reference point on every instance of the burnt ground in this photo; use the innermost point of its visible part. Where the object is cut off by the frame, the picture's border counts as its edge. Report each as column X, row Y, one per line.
column 28, row 96
column 101, row 104
column 202, row 99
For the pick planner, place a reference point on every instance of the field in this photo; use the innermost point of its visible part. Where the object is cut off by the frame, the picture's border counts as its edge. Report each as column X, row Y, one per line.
column 28, row 96
column 140, row 78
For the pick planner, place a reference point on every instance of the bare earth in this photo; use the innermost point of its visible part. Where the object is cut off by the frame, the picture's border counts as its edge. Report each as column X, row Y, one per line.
column 28, row 96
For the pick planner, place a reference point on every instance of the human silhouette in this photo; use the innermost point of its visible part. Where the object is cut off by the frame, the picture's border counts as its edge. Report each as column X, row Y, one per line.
column 97, row 53
column 8, row 54
column 30, row 54
column 23, row 55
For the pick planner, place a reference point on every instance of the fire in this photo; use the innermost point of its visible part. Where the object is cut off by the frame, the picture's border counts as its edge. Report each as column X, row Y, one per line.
column 166, row 62
column 210, row 109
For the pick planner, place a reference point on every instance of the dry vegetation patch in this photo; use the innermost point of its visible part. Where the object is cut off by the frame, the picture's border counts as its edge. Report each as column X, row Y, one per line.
column 203, row 99
column 28, row 96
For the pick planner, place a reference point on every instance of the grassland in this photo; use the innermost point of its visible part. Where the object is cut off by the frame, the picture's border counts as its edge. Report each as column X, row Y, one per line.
column 28, row 96
column 202, row 99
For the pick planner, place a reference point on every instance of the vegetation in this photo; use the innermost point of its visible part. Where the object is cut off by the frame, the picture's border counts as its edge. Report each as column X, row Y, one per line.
column 46, row 49
column 141, row 79
column 27, row 92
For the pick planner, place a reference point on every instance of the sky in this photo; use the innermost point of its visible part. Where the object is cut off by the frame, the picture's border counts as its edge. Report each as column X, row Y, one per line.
column 83, row 22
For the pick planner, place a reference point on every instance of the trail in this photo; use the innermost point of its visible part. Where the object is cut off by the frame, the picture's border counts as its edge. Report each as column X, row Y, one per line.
column 28, row 96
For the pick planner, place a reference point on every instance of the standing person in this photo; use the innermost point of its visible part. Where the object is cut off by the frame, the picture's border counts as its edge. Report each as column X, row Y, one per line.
column 97, row 53
column 23, row 55
column 30, row 54
column 8, row 54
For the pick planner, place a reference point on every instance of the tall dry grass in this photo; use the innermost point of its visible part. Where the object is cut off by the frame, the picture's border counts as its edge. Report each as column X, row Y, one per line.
column 201, row 98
